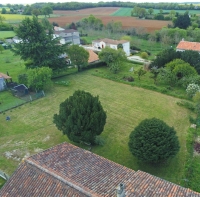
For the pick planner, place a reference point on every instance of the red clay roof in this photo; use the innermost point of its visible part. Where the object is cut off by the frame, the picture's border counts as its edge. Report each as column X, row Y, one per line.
column 93, row 57
column 67, row 170
column 185, row 45
column 111, row 41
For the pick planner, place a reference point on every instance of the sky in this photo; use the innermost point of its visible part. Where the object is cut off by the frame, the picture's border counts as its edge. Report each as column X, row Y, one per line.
column 94, row 1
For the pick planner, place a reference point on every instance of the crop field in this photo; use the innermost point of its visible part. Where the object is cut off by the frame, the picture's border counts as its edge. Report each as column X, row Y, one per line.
column 105, row 15
column 122, row 12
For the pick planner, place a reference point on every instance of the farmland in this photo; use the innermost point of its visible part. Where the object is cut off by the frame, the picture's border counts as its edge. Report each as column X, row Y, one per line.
column 104, row 14
column 127, row 11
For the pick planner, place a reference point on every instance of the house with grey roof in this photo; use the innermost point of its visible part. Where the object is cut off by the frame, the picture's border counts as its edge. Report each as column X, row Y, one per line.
column 67, row 35
column 66, row 170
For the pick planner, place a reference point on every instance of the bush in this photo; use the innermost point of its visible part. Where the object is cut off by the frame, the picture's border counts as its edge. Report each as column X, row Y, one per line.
column 187, row 105
column 144, row 55
column 192, row 89
column 153, row 141
column 81, row 117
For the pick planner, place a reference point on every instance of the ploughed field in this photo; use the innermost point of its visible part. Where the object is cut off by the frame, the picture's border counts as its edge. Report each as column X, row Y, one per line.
column 104, row 13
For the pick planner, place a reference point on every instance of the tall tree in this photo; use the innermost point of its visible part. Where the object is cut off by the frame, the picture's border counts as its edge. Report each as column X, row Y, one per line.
column 38, row 45
column 78, row 56
column 182, row 21
column 153, row 141
column 47, row 10
column 81, row 117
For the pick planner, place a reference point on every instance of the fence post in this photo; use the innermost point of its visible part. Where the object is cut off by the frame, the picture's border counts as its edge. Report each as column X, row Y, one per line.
column 43, row 92
column 30, row 98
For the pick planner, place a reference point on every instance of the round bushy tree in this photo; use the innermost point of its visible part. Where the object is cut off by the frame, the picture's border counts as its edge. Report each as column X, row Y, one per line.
column 153, row 141
column 81, row 117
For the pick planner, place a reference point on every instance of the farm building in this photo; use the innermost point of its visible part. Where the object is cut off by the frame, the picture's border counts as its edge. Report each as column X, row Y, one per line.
column 185, row 45
column 102, row 43
column 3, row 81
column 67, row 35
column 67, row 170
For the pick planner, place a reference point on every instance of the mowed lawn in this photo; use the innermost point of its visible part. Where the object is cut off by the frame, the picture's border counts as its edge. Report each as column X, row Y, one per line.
column 7, row 34
column 31, row 128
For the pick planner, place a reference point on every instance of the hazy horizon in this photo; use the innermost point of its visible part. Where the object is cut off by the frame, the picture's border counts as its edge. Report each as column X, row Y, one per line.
column 91, row 1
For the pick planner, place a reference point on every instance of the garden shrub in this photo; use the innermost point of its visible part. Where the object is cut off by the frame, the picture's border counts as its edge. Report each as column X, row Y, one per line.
column 153, row 141
column 144, row 55
column 192, row 89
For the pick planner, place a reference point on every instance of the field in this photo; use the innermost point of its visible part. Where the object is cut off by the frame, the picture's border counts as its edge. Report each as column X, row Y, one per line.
column 31, row 128
column 105, row 14
column 6, row 34
column 122, row 12
column 127, row 11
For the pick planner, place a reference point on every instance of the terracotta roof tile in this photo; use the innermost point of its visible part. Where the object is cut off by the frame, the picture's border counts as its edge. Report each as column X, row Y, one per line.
column 67, row 170
column 185, row 45
column 93, row 57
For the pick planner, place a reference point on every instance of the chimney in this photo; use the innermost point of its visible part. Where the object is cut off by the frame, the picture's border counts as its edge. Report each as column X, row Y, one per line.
column 121, row 190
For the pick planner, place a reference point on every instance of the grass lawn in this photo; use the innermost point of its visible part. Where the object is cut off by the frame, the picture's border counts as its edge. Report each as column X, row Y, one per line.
column 11, row 64
column 31, row 128
column 6, row 34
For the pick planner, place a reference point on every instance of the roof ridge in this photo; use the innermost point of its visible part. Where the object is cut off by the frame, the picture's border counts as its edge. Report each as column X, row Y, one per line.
column 64, row 180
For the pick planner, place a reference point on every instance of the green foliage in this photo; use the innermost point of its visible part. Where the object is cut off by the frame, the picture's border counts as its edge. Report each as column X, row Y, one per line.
column 185, row 81
column 113, row 58
column 182, row 21
column 1, row 49
column 191, row 57
column 153, row 141
column 187, row 105
column 23, row 79
column 192, row 89
column 3, row 11
column 141, row 72
column 167, row 77
column 39, row 78
column 5, row 27
column 78, row 56
column 81, row 117
column 91, row 22
column 144, row 55
column 164, row 57
column 181, row 69
column 47, row 10
column 38, row 44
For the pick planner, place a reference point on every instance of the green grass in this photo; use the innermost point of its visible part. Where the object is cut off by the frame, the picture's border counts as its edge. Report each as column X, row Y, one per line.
column 2, row 181
column 11, row 64
column 31, row 127
column 7, row 101
column 127, row 11
column 122, row 12
column 6, row 34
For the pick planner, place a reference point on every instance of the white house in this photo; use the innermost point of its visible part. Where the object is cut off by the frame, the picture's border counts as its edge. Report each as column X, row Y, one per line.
column 102, row 43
